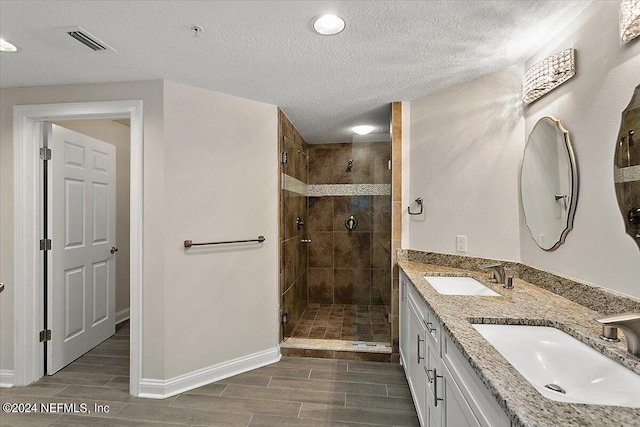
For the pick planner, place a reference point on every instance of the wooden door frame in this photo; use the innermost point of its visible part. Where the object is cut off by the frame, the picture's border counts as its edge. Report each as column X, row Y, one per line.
column 28, row 301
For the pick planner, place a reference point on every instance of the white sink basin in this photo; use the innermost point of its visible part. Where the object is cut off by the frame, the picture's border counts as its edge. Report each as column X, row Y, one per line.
column 452, row 285
column 548, row 357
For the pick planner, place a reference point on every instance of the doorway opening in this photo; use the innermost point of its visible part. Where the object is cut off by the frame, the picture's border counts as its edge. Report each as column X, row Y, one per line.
column 29, row 302
column 86, row 292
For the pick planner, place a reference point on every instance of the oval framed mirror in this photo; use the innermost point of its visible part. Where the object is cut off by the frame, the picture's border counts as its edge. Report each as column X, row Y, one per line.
column 549, row 183
column 626, row 168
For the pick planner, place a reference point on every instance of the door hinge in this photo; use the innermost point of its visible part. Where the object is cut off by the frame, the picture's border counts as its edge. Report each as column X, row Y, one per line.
column 284, row 158
column 45, row 335
column 285, row 318
column 45, row 153
column 45, row 244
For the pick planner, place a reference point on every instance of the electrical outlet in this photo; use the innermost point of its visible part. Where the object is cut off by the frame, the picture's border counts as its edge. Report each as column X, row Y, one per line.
column 461, row 243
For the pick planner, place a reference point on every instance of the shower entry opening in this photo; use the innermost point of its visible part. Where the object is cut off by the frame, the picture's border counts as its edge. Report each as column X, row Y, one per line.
column 336, row 245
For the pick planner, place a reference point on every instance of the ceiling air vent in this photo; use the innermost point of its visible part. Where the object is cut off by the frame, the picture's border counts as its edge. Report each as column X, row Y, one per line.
column 88, row 39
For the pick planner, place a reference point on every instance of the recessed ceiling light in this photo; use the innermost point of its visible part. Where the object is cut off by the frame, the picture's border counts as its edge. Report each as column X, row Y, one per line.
column 328, row 25
column 5, row 46
column 363, row 129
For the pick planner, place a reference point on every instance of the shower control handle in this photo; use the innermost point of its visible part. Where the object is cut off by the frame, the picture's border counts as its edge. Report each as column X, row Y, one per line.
column 351, row 223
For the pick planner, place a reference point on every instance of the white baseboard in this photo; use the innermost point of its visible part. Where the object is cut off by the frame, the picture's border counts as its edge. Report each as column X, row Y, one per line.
column 6, row 378
column 161, row 389
column 122, row 315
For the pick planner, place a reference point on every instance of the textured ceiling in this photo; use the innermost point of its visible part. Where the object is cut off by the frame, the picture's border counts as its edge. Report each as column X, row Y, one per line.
column 267, row 51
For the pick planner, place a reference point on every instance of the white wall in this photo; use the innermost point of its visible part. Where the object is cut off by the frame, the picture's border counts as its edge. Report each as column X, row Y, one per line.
column 221, row 183
column 466, row 145
column 117, row 134
column 589, row 106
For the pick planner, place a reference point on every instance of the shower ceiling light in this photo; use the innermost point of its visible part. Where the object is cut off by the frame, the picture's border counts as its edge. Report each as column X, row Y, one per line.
column 629, row 20
column 5, row 46
column 328, row 25
column 363, row 129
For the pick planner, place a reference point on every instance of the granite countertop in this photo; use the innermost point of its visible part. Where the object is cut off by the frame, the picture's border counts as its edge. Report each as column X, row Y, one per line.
column 530, row 305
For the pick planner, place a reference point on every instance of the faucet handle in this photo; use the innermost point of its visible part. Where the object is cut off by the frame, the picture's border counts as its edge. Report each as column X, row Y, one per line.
column 619, row 318
column 629, row 323
column 493, row 265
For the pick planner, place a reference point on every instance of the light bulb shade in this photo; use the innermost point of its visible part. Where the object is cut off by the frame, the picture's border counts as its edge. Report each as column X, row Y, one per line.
column 548, row 74
column 363, row 129
column 328, row 25
column 629, row 20
column 6, row 46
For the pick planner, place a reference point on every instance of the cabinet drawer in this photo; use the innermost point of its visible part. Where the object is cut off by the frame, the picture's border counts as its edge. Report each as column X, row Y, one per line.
column 483, row 404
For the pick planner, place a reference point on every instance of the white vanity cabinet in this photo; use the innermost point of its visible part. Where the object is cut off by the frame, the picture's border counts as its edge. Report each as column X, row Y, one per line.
column 444, row 387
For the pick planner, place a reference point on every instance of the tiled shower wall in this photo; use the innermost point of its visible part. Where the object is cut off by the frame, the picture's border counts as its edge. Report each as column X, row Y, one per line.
column 350, row 267
column 293, row 253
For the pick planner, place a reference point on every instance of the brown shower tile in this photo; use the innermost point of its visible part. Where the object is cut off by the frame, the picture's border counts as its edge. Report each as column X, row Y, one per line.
column 377, row 318
column 334, row 329
column 301, row 332
column 292, row 248
column 381, row 251
column 364, row 337
column 352, row 250
column 381, row 338
column 335, row 322
column 360, row 172
column 350, row 310
column 317, row 332
column 320, row 214
column 376, row 296
column 352, row 286
column 320, row 287
column 380, row 329
column 304, row 321
column 320, row 165
column 358, row 206
column 323, row 314
column 320, row 249
column 294, row 207
column 381, row 283
column 381, row 211
column 380, row 154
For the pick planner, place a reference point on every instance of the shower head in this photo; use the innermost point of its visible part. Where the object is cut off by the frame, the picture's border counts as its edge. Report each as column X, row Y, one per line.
column 350, row 165
column 302, row 152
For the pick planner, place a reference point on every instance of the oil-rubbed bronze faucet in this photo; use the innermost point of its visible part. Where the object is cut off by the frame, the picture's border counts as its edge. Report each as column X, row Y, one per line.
column 630, row 325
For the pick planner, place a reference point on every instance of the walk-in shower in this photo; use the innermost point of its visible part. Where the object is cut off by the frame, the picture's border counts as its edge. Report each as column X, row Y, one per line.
column 336, row 267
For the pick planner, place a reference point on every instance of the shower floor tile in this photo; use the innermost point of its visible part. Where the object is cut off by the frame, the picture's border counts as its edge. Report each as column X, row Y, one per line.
column 344, row 322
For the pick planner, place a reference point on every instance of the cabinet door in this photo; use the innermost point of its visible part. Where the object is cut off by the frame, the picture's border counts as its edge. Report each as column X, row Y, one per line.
column 415, row 359
column 404, row 318
column 456, row 410
column 434, row 403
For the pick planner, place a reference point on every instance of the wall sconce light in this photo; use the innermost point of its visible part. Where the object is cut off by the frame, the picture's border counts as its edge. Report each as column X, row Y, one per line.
column 548, row 74
column 629, row 20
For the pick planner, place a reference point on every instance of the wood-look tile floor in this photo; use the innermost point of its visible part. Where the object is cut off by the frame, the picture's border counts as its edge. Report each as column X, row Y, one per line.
column 299, row 392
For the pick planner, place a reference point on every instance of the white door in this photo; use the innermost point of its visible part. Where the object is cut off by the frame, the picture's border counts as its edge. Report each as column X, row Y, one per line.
column 82, row 228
